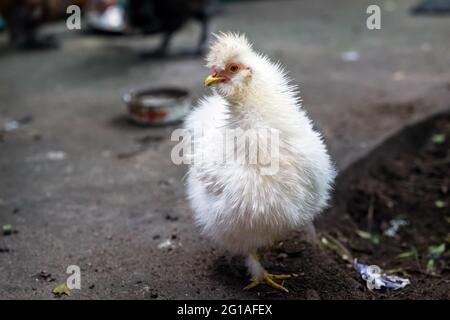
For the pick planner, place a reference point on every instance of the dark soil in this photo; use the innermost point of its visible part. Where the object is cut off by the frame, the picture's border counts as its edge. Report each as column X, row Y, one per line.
column 407, row 177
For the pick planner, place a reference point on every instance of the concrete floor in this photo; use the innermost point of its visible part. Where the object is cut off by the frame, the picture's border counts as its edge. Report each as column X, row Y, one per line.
column 108, row 215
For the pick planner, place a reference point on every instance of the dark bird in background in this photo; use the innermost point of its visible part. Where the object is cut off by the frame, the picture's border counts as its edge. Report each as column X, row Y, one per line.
column 432, row 7
column 168, row 16
column 24, row 17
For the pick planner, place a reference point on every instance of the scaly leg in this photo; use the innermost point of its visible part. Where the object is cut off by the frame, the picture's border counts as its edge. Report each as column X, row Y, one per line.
column 260, row 275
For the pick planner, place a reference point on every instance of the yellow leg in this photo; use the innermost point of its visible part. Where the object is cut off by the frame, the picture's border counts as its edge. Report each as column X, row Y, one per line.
column 261, row 276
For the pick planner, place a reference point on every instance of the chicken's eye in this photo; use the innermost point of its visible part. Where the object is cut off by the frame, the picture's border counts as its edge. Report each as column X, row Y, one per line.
column 233, row 68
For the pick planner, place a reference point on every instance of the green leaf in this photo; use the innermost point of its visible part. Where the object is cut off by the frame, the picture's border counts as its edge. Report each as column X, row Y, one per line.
column 61, row 289
column 440, row 204
column 411, row 253
column 7, row 229
column 438, row 138
column 406, row 254
column 431, row 267
column 436, row 251
column 375, row 239
column 448, row 219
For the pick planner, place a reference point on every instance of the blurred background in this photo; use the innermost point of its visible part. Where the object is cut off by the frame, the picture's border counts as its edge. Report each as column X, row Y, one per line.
column 85, row 171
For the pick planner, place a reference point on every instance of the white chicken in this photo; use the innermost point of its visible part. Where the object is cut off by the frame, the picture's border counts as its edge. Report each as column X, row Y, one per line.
column 237, row 203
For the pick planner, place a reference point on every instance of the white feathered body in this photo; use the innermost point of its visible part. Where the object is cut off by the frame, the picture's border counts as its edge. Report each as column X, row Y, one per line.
column 235, row 203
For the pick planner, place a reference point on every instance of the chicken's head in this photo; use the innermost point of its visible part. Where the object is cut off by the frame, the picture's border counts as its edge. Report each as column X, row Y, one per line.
column 230, row 62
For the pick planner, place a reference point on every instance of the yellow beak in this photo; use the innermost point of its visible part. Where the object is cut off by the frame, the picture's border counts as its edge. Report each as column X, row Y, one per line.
column 212, row 80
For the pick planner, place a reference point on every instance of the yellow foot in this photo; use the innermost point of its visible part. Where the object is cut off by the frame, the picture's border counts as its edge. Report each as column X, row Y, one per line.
column 268, row 279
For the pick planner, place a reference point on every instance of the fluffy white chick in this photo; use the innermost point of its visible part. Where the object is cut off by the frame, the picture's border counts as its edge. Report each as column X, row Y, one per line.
column 238, row 204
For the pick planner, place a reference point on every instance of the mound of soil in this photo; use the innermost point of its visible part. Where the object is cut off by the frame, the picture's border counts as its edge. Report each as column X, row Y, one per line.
column 404, row 182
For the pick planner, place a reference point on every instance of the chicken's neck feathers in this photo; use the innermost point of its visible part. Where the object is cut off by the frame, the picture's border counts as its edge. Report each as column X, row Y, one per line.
column 264, row 104
column 270, row 98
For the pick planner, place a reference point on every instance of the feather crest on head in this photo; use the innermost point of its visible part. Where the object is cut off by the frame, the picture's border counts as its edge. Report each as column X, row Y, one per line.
column 226, row 47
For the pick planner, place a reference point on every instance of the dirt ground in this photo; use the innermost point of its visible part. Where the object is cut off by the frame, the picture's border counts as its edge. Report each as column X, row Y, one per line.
column 74, row 200
column 406, row 179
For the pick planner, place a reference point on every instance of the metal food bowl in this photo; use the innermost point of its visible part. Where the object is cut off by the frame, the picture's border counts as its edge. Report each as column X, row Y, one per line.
column 157, row 106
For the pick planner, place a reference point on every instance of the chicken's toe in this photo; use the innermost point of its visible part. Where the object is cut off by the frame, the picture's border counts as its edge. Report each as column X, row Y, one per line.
column 268, row 279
